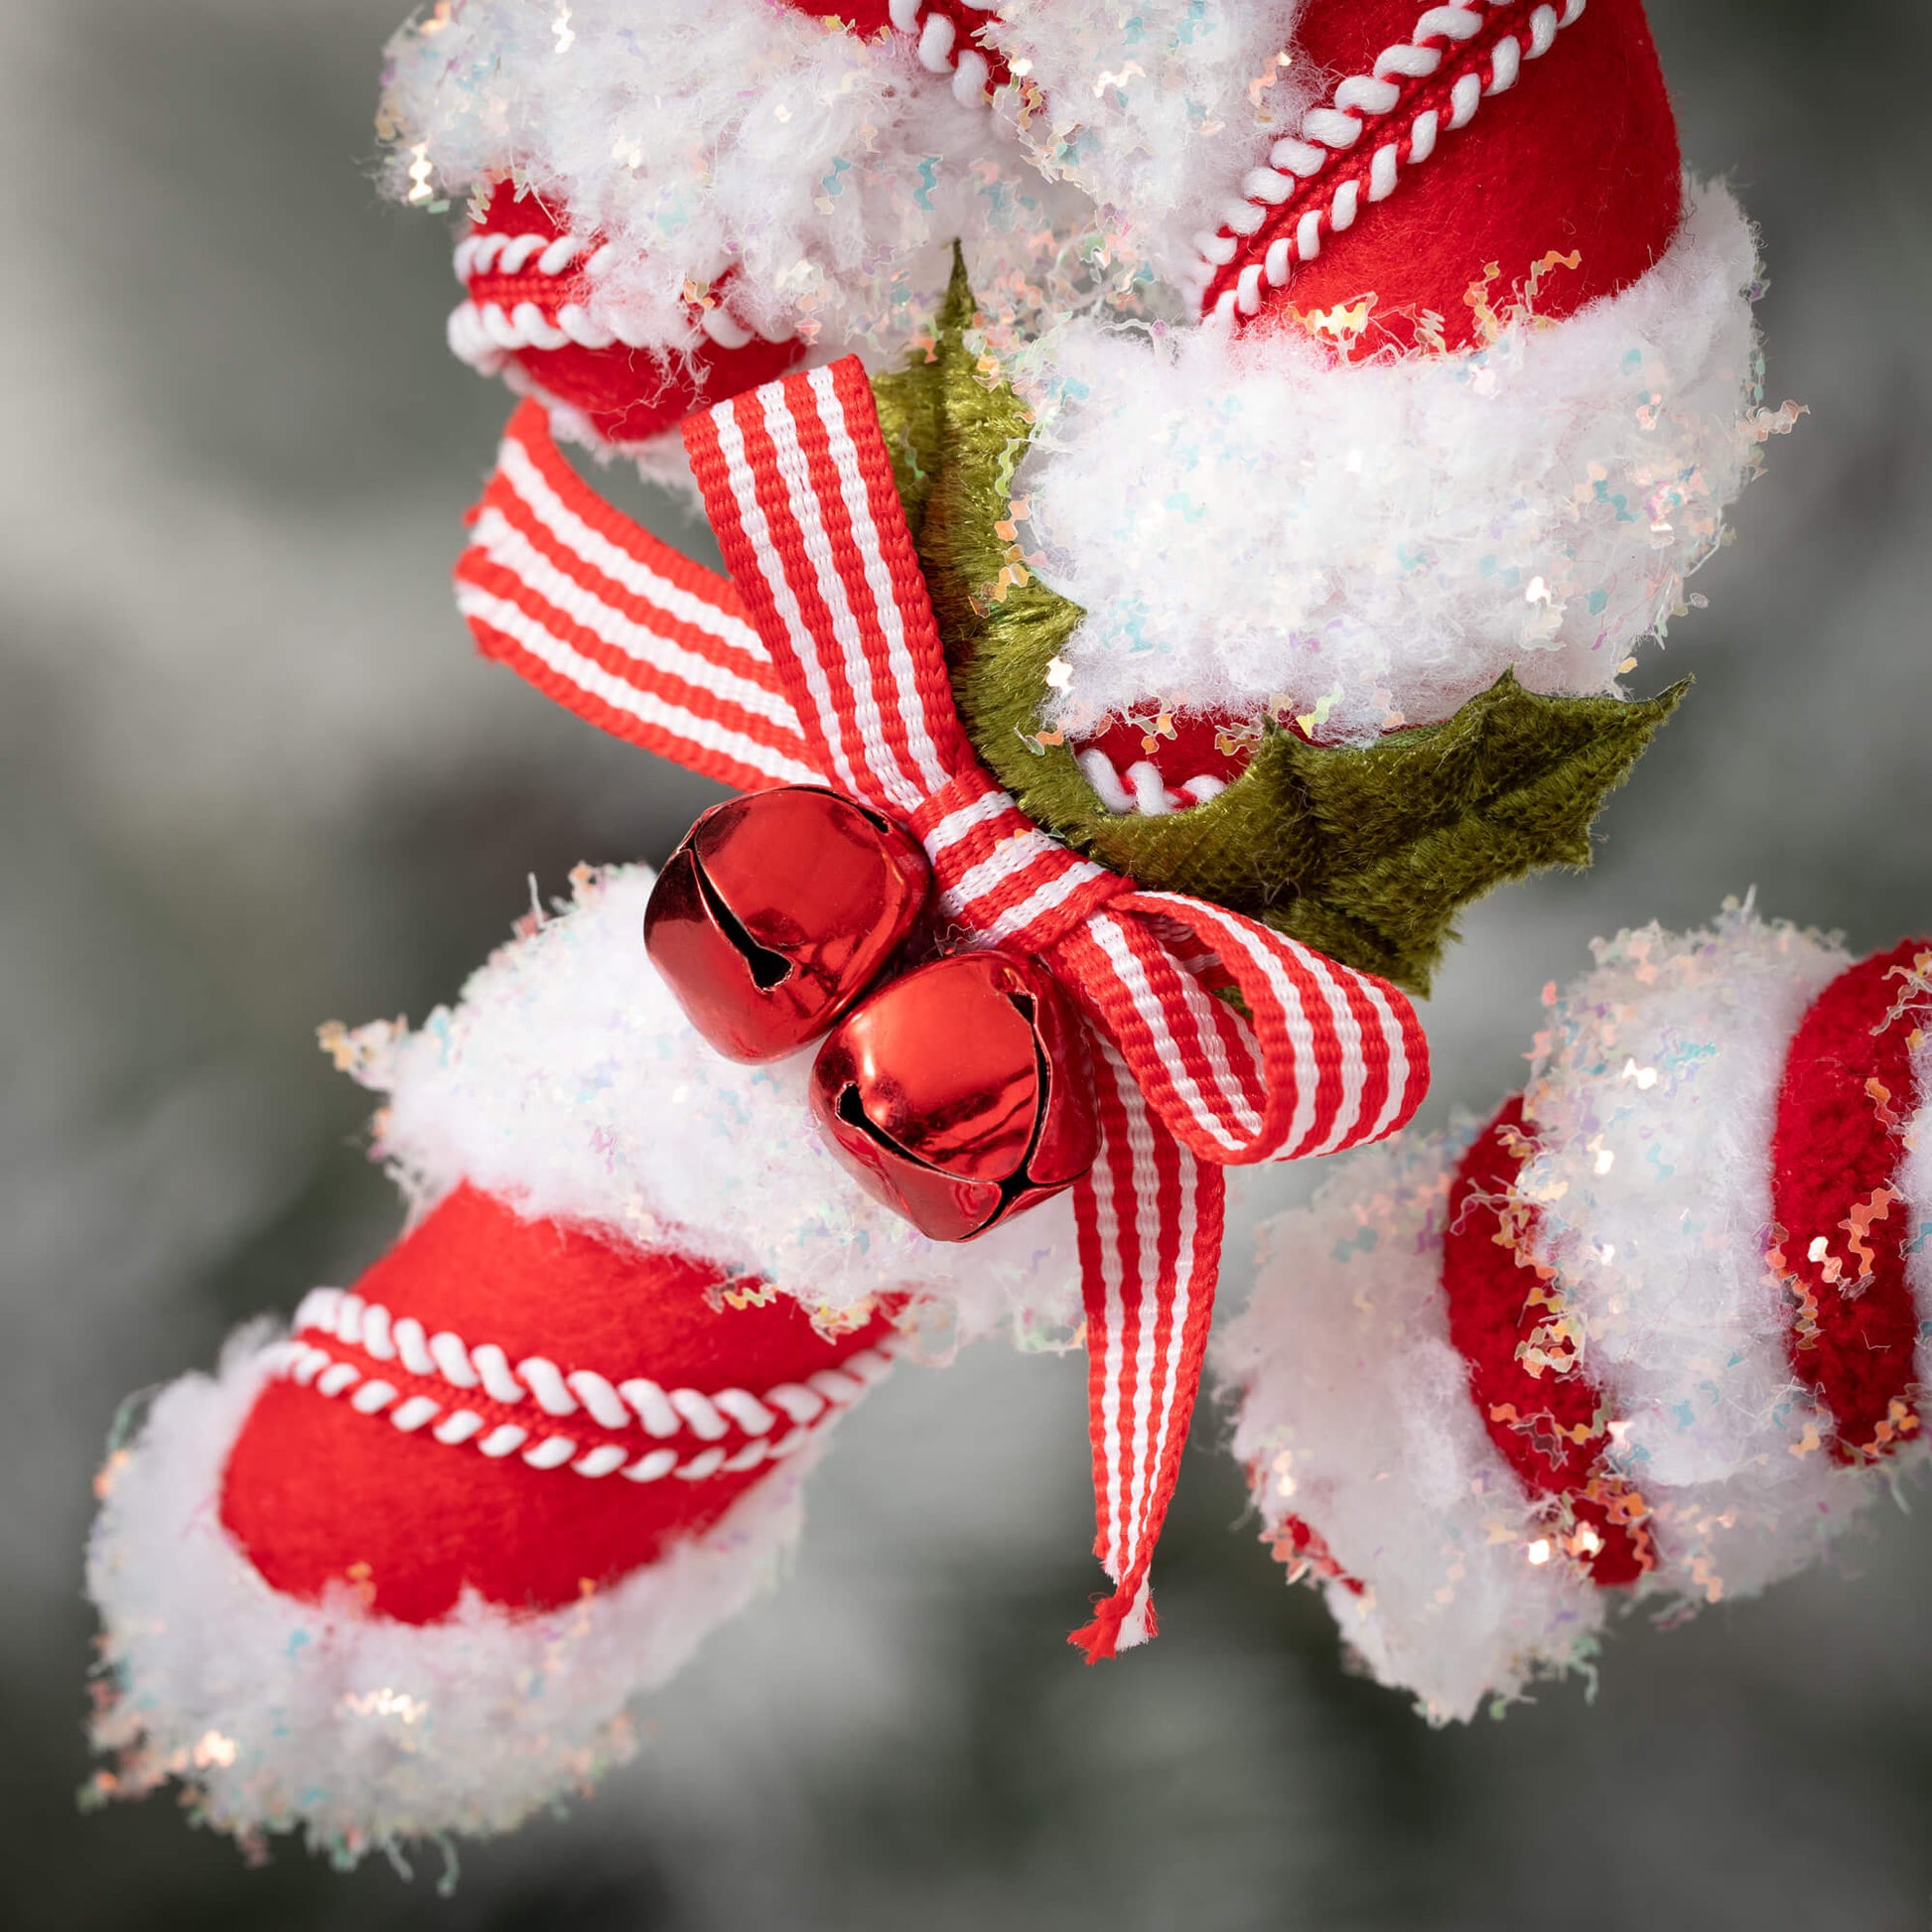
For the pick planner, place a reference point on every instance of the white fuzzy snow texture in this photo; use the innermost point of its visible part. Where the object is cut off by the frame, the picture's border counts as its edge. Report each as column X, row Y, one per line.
column 698, row 138
column 1250, row 526
column 1355, row 1417
column 1654, row 1106
column 1651, row 1104
column 568, row 1080
column 829, row 171
column 363, row 1732
column 1155, row 108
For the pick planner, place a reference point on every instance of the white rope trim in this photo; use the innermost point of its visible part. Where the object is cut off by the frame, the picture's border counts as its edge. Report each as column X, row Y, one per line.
column 637, row 1403
column 1336, row 127
column 515, row 254
column 941, row 50
column 483, row 332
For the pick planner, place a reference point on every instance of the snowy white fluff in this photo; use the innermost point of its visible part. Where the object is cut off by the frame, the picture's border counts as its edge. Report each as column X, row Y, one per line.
column 1650, row 1111
column 1653, row 1106
column 1250, row 524
column 1156, row 110
column 743, row 134
column 568, row 1082
column 362, row 1732
column 1356, row 1418
column 826, row 167
column 828, row 171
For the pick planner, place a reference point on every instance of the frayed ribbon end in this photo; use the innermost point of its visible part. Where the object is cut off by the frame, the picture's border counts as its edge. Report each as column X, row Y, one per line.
column 1119, row 1623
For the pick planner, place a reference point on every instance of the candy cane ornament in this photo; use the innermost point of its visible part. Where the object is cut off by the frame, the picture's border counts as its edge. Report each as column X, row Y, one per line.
column 404, row 1569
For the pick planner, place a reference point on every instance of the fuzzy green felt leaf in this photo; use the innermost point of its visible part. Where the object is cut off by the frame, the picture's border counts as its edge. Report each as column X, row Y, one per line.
column 1364, row 852
column 956, row 432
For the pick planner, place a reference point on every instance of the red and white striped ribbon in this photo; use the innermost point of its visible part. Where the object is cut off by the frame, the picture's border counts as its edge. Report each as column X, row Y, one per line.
column 1148, row 1217
column 613, row 623
column 1314, row 1058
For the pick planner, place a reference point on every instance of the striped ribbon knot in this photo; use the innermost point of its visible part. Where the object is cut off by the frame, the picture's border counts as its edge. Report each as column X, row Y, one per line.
column 1215, row 1041
column 1153, row 970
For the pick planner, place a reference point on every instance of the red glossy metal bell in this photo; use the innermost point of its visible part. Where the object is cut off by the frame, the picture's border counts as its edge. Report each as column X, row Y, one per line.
column 958, row 1094
column 777, row 912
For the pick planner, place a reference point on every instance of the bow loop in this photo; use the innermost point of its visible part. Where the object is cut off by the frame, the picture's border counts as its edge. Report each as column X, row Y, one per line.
column 799, row 487
column 1314, row 1059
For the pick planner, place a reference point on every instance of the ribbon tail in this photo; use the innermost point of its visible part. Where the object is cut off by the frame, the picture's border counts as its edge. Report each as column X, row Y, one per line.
column 611, row 622
column 1150, row 1218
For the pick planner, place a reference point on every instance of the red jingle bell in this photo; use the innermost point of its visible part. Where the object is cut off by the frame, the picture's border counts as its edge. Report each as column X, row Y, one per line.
column 957, row 1095
column 776, row 913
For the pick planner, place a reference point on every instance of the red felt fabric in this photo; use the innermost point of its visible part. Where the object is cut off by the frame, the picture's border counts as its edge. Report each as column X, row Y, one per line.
column 315, row 1490
column 509, row 212
column 864, row 17
column 627, row 394
column 1847, row 1097
column 1581, row 155
column 1296, row 1540
column 1194, row 746
column 1499, row 1301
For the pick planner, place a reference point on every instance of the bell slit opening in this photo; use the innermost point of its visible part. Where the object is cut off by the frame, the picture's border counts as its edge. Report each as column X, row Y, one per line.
column 767, row 968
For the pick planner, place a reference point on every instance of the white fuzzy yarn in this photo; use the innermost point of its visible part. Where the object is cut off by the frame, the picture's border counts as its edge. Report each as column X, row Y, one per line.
column 1355, row 1417
column 277, row 1714
column 1249, row 525
column 829, row 171
column 1155, row 108
column 1651, row 1108
column 568, row 1080
column 827, row 167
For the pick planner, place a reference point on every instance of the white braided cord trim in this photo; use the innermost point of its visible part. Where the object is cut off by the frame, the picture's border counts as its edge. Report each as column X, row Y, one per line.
column 483, row 332
column 1356, row 105
column 637, row 1402
column 515, row 254
column 941, row 50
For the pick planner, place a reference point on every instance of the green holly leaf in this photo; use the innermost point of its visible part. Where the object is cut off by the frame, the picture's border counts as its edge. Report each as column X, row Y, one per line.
column 1365, row 852
column 912, row 406
column 956, row 432
column 1368, row 852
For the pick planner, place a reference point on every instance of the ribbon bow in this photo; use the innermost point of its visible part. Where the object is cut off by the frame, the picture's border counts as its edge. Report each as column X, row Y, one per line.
column 827, row 663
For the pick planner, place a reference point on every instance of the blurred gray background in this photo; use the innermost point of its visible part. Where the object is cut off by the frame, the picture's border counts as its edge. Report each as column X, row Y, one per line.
column 252, row 779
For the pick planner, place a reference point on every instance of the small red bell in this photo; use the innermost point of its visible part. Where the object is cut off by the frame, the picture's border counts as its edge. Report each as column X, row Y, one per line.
column 957, row 1095
column 777, row 912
